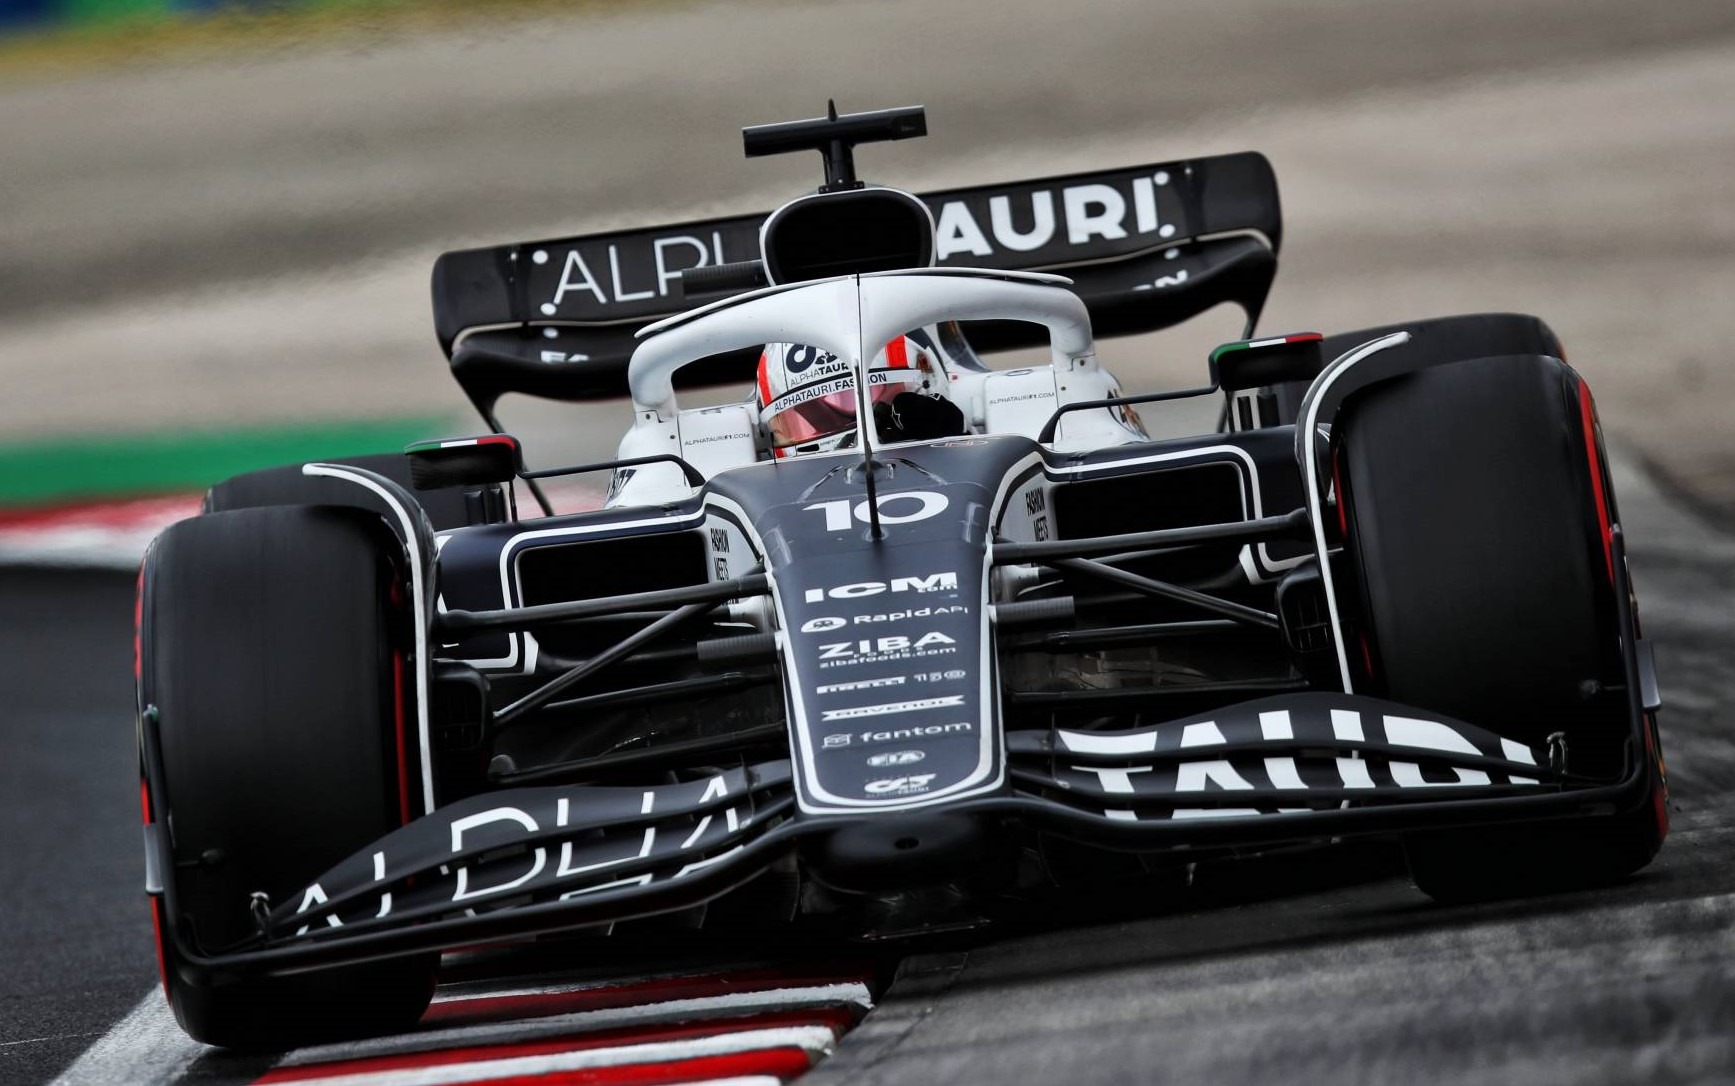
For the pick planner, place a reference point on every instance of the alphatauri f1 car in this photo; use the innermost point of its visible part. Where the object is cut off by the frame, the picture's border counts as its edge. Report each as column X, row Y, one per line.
column 995, row 630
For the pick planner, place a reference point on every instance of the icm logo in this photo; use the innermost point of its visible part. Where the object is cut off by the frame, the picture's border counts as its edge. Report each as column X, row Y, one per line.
column 934, row 582
column 824, row 624
column 896, row 757
column 901, row 786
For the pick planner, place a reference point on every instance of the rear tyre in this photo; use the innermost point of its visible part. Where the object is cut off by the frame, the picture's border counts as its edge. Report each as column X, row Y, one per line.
column 1476, row 509
column 266, row 648
column 287, row 486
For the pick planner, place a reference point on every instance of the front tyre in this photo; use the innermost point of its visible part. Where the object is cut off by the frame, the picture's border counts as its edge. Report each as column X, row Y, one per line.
column 267, row 650
column 1476, row 512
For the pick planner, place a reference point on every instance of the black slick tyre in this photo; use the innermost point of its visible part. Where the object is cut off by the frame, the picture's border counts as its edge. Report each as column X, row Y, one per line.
column 267, row 657
column 1476, row 508
column 286, row 486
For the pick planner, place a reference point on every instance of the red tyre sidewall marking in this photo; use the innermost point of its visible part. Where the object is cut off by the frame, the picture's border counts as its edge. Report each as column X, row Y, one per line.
column 396, row 600
column 1660, row 789
column 1367, row 652
column 144, row 785
column 156, row 903
column 1599, row 488
column 1599, row 494
column 398, row 728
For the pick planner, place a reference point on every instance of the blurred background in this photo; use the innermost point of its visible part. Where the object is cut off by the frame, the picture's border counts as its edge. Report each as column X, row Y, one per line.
column 217, row 219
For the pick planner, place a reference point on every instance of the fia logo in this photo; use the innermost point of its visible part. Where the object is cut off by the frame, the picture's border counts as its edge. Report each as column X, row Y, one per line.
column 896, row 757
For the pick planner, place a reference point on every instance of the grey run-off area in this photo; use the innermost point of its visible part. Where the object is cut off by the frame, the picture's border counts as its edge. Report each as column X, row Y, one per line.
column 248, row 239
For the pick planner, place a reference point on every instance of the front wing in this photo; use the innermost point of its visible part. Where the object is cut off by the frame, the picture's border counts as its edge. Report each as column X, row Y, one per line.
column 534, row 860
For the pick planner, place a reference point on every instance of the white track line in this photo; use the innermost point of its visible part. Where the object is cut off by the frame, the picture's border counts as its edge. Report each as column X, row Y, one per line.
column 146, row 1048
column 817, row 1041
column 577, row 1022
column 842, row 990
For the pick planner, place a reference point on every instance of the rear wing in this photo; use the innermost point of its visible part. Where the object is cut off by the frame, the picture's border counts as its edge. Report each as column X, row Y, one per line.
column 1146, row 247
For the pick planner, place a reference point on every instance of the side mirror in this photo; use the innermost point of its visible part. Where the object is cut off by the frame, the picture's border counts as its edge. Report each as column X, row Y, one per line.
column 1255, row 363
column 465, row 461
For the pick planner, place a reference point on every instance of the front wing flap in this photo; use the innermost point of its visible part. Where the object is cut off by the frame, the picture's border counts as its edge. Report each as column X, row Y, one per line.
column 1276, row 756
column 555, row 842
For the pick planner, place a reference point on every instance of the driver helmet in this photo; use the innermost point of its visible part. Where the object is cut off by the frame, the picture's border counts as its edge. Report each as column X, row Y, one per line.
column 807, row 399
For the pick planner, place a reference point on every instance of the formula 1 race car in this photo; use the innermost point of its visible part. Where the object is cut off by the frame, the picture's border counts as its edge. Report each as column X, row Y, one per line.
column 902, row 637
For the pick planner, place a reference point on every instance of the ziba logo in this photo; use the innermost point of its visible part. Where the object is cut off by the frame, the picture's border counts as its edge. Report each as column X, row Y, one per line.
column 883, row 646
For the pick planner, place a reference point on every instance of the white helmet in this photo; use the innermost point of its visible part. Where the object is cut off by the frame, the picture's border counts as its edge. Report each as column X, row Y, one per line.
column 807, row 399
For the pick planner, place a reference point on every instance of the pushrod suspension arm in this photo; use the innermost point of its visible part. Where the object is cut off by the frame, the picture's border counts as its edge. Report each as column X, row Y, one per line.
column 541, row 696
column 546, row 614
column 1291, row 524
column 1239, row 612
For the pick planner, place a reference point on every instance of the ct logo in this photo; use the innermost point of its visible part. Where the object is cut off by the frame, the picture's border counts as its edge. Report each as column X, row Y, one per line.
column 897, row 786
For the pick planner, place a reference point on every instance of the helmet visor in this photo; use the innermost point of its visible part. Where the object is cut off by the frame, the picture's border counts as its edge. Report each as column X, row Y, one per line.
column 815, row 412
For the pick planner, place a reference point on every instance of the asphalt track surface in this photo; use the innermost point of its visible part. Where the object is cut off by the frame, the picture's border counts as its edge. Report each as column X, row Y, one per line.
column 1324, row 968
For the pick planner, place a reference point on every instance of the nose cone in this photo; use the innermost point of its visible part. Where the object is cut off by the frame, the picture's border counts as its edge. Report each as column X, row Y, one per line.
column 896, row 852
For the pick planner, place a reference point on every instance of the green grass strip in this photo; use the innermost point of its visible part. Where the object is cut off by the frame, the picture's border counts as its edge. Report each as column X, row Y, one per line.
column 102, row 11
column 62, row 470
column 120, row 34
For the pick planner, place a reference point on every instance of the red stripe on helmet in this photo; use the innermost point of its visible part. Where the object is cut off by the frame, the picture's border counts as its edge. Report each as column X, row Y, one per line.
column 897, row 355
column 764, row 377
